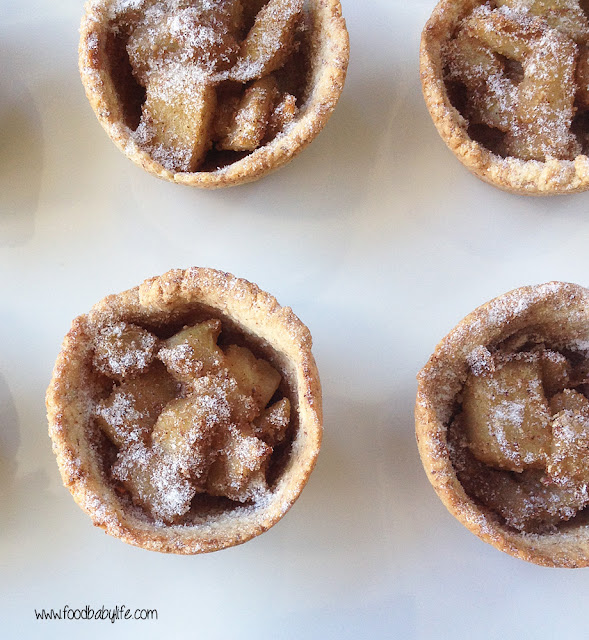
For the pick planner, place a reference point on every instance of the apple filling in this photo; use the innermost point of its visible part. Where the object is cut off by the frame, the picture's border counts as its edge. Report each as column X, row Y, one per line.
column 187, row 416
column 214, row 80
column 520, row 441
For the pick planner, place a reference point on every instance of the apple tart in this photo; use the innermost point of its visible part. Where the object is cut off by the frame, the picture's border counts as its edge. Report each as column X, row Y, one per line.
column 507, row 85
column 186, row 413
column 502, row 423
column 214, row 93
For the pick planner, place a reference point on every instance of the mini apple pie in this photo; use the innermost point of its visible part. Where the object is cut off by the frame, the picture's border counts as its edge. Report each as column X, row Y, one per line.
column 502, row 421
column 213, row 93
column 507, row 85
column 186, row 413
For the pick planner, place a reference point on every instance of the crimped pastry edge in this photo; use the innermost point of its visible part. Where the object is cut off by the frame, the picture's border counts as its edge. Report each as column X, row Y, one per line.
column 561, row 310
column 332, row 51
column 258, row 314
column 523, row 177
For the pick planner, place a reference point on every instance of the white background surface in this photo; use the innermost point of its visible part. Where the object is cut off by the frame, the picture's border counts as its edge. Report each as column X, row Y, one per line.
column 379, row 240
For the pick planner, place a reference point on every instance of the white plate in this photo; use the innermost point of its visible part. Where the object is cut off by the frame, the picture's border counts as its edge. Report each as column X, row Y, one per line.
column 379, row 240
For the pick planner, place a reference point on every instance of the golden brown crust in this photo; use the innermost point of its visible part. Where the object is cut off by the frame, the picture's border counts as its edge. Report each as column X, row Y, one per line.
column 560, row 313
column 248, row 310
column 510, row 174
column 330, row 54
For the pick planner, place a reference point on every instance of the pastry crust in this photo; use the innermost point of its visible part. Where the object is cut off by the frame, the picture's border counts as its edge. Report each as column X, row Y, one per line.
column 172, row 299
column 329, row 61
column 511, row 174
column 559, row 313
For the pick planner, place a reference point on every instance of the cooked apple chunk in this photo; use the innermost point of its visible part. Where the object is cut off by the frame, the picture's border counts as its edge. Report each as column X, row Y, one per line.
column 270, row 41
column 177, row 119
column 154, row 481
column 271, row 426
column 255, row 377
column 565, row 15
column 570, row 401
column 568, row 463
column 239, row 471
column 174, row 33
column 131, row 410
column 186, row 428
column 223, row 386
column 470, row 62
column 283, row 114
column 122, row 350
column 250, row 120
column 193, row 351
column 556, row 372
column 506, row 414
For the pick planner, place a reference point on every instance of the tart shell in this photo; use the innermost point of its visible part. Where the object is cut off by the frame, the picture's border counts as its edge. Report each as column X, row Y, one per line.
column 560, row 313
column 510, row 174
column 330, row 54
column 272, row 330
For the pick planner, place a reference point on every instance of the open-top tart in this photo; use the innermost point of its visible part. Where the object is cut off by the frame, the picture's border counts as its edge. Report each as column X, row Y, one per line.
column 186, row 413
column 502, row 421
column 213, row 93
column 507, row 85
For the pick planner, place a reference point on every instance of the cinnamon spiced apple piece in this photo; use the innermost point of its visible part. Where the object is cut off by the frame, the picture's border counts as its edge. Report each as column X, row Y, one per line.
column 131, row 410
column 543, row 110
column 491, row 93
column 272, row 424
column 270, row 41
column 239, row 471
column 284, row 114
column 155, row 481
column 193, row 352
column 186, row 431
column 565, row 15
column 166, row 36
column 569, row 457
column 506, row 414
column 255, row 377
column 123, row 350
column 177, row 120
column 249, row 122
column 557, row 373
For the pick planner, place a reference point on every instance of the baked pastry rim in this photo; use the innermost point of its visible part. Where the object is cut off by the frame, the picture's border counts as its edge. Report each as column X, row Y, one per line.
column 527, row 177
column 262, row 316
column 439, row 382
column 333, row 50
